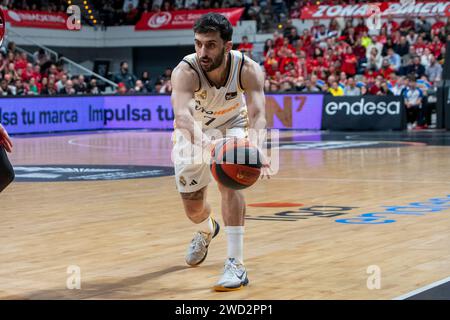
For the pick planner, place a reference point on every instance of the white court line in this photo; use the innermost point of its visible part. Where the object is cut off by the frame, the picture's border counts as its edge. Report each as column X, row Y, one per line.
column 72, row 142
column 420, row 290
column 360, row 180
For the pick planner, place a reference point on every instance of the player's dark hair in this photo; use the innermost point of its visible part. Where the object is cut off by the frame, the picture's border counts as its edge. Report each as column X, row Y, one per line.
column 214, row 22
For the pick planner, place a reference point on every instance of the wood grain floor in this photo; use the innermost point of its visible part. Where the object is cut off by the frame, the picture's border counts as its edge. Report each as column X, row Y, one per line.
column 129, row 237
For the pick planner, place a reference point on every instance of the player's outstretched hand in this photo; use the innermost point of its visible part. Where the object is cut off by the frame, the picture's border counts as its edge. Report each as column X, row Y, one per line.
column 266, row 169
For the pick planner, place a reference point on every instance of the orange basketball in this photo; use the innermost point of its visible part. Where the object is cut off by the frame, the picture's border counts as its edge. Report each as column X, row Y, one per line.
column 235, row 163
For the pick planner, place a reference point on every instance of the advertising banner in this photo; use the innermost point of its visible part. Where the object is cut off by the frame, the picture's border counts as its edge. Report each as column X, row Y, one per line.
column 363, row 113
column 296, row 111
column 37, row 19
column 56, row 114
column 363, row 10
column 182, row 19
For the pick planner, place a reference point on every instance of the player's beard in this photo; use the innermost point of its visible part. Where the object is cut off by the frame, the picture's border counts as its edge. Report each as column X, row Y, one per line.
column 217, row 62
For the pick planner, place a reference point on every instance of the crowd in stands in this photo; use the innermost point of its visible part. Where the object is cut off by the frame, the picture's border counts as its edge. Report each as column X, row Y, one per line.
column 41, row 75
column 346, row 58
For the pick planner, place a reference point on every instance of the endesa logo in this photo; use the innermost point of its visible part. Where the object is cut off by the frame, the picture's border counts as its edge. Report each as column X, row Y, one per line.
column 363, row 107
column 433, row 205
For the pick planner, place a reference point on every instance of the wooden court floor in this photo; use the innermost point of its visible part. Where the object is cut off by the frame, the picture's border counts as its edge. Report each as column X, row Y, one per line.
column 128, row 237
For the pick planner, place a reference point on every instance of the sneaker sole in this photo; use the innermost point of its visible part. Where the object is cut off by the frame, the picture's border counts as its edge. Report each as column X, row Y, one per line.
column 216, row 232
column 227, row 289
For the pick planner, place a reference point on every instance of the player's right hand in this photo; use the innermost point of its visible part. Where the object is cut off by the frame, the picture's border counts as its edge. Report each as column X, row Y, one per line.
column 5, row 140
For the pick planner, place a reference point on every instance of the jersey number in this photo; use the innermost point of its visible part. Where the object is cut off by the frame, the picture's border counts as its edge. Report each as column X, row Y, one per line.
column 211, row 119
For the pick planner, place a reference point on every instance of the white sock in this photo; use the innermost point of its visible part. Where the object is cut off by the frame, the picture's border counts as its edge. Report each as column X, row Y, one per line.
column 206, row 225
column 235, row 237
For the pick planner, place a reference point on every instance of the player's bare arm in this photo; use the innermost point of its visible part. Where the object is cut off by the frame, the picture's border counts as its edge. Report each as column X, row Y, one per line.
column 252, row 79
column 184, row 83
column 253, row 84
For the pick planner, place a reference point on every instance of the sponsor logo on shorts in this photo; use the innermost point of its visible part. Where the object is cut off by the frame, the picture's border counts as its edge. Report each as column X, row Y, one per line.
column 53, row 173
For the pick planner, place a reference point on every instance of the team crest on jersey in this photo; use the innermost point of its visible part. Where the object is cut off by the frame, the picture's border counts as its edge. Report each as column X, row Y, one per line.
column 230, row 95
column 202, row 95
column 182, row 180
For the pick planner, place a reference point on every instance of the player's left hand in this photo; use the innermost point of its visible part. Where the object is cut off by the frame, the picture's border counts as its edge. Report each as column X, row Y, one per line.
column 5, row 140
column 266, row 170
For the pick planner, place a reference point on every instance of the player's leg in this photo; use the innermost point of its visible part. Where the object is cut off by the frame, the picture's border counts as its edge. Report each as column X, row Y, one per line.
column 198, row 211
column 233, row 213
column 6, row 170
column 192, row 181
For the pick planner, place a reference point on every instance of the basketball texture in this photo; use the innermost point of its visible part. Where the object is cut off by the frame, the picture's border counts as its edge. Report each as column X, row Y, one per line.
column 235, row 163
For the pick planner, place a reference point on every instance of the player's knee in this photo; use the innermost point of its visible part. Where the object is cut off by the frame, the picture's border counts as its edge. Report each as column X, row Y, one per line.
column 195, row 213
column 227, row 192
column 6, row 178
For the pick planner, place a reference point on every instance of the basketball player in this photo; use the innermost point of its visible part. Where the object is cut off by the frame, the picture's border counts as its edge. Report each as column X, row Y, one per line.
column 208, row 91
column 6, row 170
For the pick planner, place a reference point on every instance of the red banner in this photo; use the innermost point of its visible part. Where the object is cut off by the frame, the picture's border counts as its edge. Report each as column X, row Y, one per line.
column 182, row 19
column 363, row 10
column 36, row 19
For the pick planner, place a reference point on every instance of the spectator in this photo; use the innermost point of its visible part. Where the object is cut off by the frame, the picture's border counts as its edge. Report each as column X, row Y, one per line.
column 4, row 88
column 434, row 71
column 166, row 75
column 310, row 87
column 124, row 76
column 269, row 46
column 422, row 25
column 61, row 83
column 390, row 25
column 416, row 69
column 146, row 80
column 122, row 88
column 364, row 91
column 246, row 47
column 92, row 87
column 384, row 90
column 129, row 5
column 32, row 87
column 139, row 87
column 351, row 89
column 349, row 62
column 41, row 57
column 425, row 58
column 68, row 88
column 407, row 25
column 402, row 48
column 394, row 59
column 81, row 86
column 386, row 69
column 336, row 90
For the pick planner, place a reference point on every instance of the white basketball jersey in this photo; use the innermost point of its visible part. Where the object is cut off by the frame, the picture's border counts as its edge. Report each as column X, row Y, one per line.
column 220, row 108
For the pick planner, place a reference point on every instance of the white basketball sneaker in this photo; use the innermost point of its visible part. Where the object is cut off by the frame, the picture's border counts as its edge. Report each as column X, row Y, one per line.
column 234, row 276
column 198, row 248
